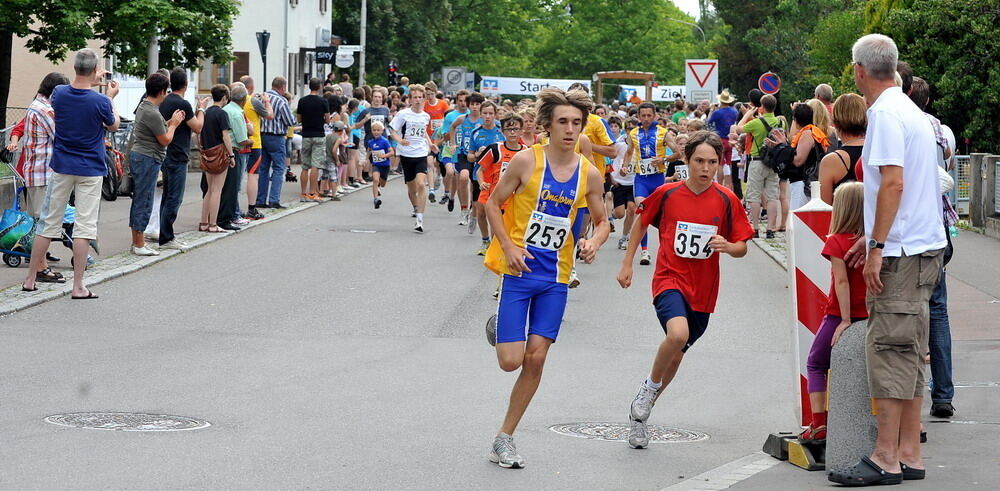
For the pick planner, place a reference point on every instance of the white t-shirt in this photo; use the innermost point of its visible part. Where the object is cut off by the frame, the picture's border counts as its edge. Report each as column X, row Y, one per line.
column 412, row 127
column 620, row 148
column 899, row 134
column 952, row 144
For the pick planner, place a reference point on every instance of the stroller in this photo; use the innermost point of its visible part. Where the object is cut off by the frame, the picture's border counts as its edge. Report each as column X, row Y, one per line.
column 17, row 228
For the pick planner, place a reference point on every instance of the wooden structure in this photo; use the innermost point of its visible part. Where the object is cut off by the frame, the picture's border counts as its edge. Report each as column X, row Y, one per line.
column 646, row 77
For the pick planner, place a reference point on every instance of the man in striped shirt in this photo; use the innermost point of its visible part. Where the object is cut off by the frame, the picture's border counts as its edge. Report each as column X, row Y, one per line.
column 271, row 174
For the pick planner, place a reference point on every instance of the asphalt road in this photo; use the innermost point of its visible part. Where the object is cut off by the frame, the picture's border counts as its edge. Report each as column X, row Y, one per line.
column 330, row 359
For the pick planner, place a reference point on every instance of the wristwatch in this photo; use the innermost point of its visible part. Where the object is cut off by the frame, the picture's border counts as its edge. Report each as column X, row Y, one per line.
column 874, row 244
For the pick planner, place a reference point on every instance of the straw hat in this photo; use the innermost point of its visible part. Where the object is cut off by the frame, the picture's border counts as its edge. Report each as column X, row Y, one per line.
column 726, row 98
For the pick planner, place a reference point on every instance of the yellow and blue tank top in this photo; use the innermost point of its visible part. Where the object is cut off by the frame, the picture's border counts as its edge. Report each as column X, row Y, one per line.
column 650, row 144
column 540, row 218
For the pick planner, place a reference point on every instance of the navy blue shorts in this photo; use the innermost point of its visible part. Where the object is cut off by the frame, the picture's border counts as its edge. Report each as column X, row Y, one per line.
column 671, row 304
column 536, row 304
column 383, row 170
column 464, row 164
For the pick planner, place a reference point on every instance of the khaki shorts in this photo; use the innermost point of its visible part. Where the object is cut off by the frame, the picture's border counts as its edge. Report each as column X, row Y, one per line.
column 313, row 153
column 88, row 205
column 898, row 325
column 36, row 198
column 762, row 179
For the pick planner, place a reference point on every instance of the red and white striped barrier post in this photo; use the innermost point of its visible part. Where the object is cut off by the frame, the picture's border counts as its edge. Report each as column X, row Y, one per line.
column 809, row 277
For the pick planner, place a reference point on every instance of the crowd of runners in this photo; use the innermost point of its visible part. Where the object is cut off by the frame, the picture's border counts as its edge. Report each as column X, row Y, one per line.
column 547, row 180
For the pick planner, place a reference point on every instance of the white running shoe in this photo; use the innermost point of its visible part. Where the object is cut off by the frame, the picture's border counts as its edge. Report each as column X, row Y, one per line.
column 418, row 227
column 623, row 243
column 145, row 251
column 505, row 454
column 465, row 219
column 638, row 434
column 642, row 405
column 176, row 245
column 574, row 280
column 473, row 222
column 644, row 258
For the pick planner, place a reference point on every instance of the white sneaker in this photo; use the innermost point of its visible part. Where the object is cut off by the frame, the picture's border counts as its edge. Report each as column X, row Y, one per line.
column 418, row 227
column 644, row 258
column 241, row 221
column 465, row 219
column 574, row 280
column 175, row 244
column 145, row 251
column 152, row 237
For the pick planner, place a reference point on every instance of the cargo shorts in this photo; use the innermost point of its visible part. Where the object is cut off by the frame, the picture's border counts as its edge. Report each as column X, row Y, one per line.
column 898, row 325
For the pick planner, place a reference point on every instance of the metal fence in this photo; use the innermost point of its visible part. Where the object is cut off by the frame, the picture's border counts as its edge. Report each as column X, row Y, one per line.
column 13, row 114
column 996, row 186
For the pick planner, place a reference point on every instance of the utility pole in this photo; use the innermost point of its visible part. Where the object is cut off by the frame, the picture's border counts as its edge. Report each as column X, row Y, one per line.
column 364, row 25
column 153, row 55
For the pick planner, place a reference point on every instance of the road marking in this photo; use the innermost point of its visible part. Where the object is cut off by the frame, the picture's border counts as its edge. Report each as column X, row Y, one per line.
column 727, row 475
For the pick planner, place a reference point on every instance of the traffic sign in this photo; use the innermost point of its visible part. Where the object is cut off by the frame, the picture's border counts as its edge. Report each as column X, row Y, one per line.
column 345, row 60
column 769, row 83
column 701, row 80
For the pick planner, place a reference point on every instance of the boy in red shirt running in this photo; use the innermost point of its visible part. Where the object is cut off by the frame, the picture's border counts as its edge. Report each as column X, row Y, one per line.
column 696, row 218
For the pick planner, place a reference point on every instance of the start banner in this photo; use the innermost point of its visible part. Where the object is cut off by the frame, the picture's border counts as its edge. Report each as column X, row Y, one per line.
column 491, row 86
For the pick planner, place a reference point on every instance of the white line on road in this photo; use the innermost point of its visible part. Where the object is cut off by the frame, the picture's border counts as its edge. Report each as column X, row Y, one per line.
column 727, row 475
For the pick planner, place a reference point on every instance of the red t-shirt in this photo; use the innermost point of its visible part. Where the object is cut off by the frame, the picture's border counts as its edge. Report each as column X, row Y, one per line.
column 837, row 246
column 682, row 218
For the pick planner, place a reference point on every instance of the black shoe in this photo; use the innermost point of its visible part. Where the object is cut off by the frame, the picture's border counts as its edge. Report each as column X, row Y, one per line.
column 265, row 205
column 451, row 204
column 253, row 214
column 277, row 206
column 942, row 410
column 769, row 234
column 378, row 203
column 50, row 258
column 229, row 226
column 756, row 234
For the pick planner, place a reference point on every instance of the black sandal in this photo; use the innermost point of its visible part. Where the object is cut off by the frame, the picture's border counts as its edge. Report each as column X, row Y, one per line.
column 911, row 474
column 48, row 276
column 865, row 473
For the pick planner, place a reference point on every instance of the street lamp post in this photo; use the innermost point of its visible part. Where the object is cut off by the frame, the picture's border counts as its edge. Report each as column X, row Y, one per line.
column 262, row 39
column 364, row 24
column 696, row 26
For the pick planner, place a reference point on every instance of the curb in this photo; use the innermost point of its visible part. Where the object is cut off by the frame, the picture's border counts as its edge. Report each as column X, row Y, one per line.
column 13, row 300
column 775, row 249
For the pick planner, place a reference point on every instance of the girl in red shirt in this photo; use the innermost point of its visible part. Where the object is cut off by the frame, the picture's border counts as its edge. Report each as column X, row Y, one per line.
column 847, row 298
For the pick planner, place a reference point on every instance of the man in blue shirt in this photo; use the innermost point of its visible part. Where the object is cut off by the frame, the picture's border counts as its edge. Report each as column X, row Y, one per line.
column 271, row 173
column 720, row 121
column 78, row 166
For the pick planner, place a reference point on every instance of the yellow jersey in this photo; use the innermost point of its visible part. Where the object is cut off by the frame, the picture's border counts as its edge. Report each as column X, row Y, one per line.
column 600, row 134
column 542, row 219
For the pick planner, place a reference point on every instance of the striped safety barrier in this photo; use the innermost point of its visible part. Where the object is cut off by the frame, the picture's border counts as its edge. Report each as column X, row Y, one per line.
column 809, row 277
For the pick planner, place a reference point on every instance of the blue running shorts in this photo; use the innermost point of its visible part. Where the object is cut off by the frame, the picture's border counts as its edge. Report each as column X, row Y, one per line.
column 536, row 304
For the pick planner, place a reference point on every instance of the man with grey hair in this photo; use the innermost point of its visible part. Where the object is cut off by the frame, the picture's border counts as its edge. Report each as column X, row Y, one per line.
column 272, row 165
column 239, row 131
column 903, row 225
column 81, row 118
column 824, row 93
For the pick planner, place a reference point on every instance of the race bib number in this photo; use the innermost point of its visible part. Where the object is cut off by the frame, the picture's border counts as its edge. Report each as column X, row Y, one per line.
column 415, row 132
column 547, row 231
column 691, row 240
column 436, row 124
column 647, row 167
column 681, row 172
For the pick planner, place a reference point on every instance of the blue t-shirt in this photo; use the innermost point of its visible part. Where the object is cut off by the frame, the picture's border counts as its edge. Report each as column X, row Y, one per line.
column 722, row 119
column 380, row 144
column 482, row 137
column 449, row 119
column 80, row 118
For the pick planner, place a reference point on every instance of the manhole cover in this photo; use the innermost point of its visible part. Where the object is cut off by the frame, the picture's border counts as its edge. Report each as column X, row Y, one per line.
column 127, row 421
column 618, row 432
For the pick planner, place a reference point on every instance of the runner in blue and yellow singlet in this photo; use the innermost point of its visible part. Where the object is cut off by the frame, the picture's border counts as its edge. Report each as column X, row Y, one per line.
column 535, row 248
column 652, row 147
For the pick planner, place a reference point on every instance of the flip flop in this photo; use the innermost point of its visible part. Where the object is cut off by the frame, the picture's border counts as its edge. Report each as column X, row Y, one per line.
column 89, row 296
column 865, row 473
column 911, row 474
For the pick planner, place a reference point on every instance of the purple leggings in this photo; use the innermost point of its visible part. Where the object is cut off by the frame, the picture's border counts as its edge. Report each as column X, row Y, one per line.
column 818, row 362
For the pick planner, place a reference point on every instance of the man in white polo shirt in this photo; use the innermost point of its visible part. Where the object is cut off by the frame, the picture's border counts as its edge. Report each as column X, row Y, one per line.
column 906, row 240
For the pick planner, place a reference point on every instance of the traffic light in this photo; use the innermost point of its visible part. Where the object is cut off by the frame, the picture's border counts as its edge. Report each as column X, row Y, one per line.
column 393, row 73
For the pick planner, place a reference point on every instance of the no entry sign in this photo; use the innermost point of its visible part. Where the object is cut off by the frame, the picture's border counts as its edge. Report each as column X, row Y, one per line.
column 769, row 83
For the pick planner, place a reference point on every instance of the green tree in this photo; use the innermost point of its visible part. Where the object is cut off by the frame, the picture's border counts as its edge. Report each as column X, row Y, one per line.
column 950, row 43
column 200, row 28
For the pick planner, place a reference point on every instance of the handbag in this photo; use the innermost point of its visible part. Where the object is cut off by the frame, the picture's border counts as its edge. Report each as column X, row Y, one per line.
column 215, row 160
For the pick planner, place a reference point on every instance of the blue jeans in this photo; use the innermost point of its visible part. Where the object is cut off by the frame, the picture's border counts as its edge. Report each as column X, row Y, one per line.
column 174, row 177
column 143, row 169
column 271, row 174
column 942, row 388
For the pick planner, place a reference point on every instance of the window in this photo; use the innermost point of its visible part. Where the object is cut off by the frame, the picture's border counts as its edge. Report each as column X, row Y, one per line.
column 210, row 74
column 241, row 66
column 322, row 7
column 293, row 3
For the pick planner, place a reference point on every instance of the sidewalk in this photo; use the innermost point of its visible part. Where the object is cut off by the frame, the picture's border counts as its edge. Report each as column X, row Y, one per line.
column 961, row 451
column 114, row 241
